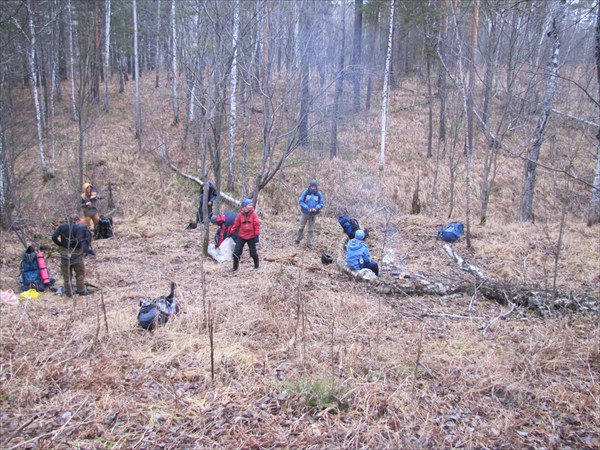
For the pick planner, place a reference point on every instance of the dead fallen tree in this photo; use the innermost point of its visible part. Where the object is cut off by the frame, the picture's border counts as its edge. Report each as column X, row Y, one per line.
column 503, row 293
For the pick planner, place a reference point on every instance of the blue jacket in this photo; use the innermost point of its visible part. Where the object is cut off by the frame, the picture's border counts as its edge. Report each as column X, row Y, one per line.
column 357, row 253
column 308, row 200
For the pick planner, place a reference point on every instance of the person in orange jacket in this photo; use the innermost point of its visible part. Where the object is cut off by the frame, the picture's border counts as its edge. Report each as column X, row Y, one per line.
column 247, row 225
column 88, row 206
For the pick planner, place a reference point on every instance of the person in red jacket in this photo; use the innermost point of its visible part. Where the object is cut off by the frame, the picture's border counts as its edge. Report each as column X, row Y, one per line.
column 247, row 226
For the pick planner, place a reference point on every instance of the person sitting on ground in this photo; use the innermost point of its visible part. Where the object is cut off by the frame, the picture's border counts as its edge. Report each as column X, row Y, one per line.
column 212, row 196
column 74, row 238
column 224, row 223
column 247, row 226
column 311, row 202
column 357, row 254
column 88, row 205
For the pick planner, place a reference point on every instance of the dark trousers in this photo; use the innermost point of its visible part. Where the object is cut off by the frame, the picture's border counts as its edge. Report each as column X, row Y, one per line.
column 72, row 261
column 239, row 247
column 372, row 266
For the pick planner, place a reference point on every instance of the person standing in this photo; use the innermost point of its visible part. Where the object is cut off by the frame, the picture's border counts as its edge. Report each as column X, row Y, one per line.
column 247, row 226
column 358, row 255
column 311, row 203
column 212, row 197
column 74, row 238
column 88, row 205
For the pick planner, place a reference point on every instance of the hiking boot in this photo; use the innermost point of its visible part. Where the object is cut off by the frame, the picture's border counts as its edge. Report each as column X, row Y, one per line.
column 254, row 270
column 297, row 241
column 83, row 294
column 233, row 270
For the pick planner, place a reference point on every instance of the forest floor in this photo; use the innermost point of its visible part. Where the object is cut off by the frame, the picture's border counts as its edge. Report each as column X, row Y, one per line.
column 303, row 356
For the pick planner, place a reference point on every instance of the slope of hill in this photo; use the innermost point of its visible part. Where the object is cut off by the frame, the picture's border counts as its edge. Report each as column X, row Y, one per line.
column 303, row 356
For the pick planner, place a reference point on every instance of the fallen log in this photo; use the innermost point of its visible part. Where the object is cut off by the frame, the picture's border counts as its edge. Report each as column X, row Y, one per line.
column 504, row 293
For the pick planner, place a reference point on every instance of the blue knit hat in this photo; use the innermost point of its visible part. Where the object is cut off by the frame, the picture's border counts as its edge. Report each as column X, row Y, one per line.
column 359, row 234
column 246, row 202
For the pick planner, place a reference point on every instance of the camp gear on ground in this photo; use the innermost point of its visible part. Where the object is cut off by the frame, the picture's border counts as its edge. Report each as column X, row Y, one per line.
column 31, row 294
column 45, row 276
column 157, row 311
column 350, row 225
column 223, row 252
column 9, row 298
column 104, row 229
column 451, row 232
column 326, row 258
column 30, row 271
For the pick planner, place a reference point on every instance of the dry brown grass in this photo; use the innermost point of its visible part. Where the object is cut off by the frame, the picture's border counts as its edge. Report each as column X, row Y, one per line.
column 348, row 377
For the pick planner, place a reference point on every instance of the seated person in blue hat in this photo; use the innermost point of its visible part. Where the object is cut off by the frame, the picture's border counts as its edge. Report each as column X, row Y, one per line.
column 357, row 254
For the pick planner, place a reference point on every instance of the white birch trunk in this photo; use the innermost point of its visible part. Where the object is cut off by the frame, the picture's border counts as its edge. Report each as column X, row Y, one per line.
column 157, row 59
column 36, row 101
column 386, row 83
column 71, row 62
column 136, row 69
column 53, row 85
column 232, row 100
column 106, row 53
column 594, row 208
column 526, row 206
column 174, row 65
column 4, row 212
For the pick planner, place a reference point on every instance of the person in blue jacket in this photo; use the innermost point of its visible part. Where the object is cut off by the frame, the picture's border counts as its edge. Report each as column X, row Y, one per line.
column 212, row 197
column 311, row 203
column 224, row 223
column 357, row 254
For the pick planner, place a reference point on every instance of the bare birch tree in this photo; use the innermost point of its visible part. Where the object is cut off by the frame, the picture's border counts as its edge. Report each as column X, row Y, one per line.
column 106, row 53
column 594, row 208
column 36, row 100
column 136, row 68
column 174, row 65
column 356, row 52
column 71, row 60
column 526, row 206
column 232, row 97
column 157, row 57
column 339, row 87
column 386, row 83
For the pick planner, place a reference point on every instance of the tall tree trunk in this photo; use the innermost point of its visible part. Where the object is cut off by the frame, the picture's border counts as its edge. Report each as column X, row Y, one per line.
column 490, row 69
column 96, row 61
column 174, row 65
column 526, row 206
column 386, row 83
column 71, row 61
column 106, row 53
column 157, row 57
column 356, row 52
column 442, row 71
column 232, row 98
column 339, row 87
column 470, row 114
column 244, row 133
column 36, row 101
column 136, row 69
column 6, row 206
column 305, row 36
column 594, row 208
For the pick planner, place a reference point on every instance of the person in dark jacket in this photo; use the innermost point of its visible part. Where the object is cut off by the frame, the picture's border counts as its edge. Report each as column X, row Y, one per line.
column 224, row 223
column 212, row 196
column 89, row 197
column 247, row 225
column 311, row 203
column 74, row 239
column 358, row 255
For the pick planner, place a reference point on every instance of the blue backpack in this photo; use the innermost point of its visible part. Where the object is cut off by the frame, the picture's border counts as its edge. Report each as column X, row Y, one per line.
column 350, row 225
column 157, row 311
column 451, row 232
column 30, row 278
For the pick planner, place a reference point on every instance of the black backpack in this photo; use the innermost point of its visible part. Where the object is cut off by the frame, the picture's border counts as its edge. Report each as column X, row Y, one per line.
column 157, row 311
column 105, row 228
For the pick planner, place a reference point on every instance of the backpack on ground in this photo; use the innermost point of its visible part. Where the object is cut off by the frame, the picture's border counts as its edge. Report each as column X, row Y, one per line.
column 157, row 311
column 105, row 228
column 350, row 225
column 451, row 232
column 34, row 274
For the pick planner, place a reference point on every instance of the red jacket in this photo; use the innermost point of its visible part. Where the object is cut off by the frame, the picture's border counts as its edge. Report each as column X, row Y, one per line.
column 246, row 224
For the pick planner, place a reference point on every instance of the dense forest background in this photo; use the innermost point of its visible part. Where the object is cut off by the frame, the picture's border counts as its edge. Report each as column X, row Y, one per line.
column 409, row 113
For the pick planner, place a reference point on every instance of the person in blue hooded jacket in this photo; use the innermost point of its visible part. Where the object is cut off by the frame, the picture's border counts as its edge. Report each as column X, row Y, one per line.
column 311, row 203
column 357, row 254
